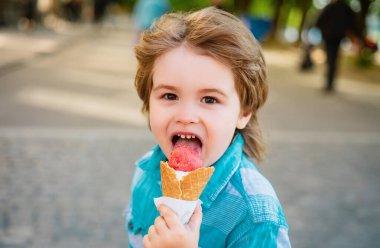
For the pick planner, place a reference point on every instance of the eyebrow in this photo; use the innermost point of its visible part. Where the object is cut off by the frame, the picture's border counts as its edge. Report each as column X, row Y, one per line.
column 202, row 91
column 163, row 86
column 212, row 90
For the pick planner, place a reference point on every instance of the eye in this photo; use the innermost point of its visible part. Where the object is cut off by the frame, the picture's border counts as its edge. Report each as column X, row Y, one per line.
column 209, row 100
column 170, row 96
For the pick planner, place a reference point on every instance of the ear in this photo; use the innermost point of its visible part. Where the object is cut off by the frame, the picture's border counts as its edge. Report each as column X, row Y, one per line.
column 243, row 119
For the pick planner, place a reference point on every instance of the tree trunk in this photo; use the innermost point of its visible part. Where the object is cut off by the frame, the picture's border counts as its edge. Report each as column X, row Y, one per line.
column 305, row 6
column 242, row 6
column 362, row 25
column 277, row 12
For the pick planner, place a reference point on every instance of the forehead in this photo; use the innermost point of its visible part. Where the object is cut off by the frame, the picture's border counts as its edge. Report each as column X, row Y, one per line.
column 185, row 64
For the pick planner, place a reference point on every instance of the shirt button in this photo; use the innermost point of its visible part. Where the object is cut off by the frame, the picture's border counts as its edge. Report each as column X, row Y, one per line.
column 130, row 226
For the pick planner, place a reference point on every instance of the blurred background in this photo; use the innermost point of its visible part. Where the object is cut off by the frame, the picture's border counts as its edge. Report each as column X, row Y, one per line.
column 71, row 127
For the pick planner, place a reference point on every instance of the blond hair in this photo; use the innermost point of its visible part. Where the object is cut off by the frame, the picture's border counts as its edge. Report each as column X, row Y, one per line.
column 222, row 36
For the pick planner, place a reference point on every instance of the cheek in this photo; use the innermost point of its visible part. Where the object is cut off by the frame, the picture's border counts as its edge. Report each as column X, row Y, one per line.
column 158, row 120
column 154, row 112
column 154, row 120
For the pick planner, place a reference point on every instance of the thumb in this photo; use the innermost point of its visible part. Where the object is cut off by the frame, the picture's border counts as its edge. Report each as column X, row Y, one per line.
column 196, row 219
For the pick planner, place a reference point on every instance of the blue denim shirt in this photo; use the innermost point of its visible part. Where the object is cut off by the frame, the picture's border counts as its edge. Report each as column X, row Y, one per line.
column 240, row 207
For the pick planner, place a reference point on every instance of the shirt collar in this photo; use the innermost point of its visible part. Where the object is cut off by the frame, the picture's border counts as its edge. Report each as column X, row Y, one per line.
column 154, row 163
column 225, row 168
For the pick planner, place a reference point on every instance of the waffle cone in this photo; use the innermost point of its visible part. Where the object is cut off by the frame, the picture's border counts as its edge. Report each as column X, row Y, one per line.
column 189, row 188
column 171, row 187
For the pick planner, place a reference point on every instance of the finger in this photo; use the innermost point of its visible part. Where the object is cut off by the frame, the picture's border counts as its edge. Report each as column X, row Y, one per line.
column 171, row 219
column 146, row 242
column 152, row 232
column 160, row 225
column 196, row 219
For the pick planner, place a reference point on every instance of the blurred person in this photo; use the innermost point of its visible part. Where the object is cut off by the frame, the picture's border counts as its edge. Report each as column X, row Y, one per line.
column 27, row 21
column 100, row 7
column 307, row 62
column 3, row 6
column 202, row 78
column 146, row 11
column 311, row 37
column 336, row 21
column 72, row 9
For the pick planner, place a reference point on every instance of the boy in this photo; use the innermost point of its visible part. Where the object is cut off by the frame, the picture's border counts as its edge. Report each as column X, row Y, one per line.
column 201, row 77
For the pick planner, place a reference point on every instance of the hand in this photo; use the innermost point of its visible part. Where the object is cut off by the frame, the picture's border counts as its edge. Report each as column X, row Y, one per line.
column 168, row 231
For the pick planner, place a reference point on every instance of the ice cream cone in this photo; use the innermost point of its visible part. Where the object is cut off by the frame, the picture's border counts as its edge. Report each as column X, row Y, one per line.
column 189, row 188
column 171, row 187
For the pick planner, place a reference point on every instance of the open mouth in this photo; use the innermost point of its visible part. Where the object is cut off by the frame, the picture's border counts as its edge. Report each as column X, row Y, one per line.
column 187, row 140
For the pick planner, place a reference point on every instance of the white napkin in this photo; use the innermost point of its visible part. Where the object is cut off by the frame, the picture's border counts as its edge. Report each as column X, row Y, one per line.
column 184, row 209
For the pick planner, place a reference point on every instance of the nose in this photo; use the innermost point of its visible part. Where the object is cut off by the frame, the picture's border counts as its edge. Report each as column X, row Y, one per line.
column 187, row 114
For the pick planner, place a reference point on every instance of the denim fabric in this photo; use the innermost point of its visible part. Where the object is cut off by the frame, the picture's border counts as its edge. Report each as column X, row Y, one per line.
column 240, row 207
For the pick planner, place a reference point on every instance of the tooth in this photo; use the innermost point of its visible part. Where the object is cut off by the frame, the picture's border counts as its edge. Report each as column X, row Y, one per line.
column 193, row 136
column 188, row 136
column 183, row 136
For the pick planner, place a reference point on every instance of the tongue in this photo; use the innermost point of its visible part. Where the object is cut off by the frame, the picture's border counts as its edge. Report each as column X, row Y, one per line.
column 193, row 143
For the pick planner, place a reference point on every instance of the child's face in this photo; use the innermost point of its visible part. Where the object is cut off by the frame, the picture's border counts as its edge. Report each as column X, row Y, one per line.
column 194, row 95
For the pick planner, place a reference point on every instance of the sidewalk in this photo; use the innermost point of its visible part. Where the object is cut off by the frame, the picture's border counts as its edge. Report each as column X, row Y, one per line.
column 18, row 48
column 361, row 87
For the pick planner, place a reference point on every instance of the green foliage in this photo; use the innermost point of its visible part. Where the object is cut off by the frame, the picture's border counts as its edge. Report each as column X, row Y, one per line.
column 127, row 4
column 294, row 18
column 284, row 14
column 176, row 5
column 180, row 5
column 374, row 8
column 264, row 9
column 229, row 5
column 365, row 59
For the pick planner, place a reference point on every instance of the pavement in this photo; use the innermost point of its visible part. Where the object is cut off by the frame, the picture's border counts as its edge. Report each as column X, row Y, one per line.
column 71, row 129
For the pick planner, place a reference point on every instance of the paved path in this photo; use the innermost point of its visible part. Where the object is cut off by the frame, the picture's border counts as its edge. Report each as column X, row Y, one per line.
column 70, row 129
